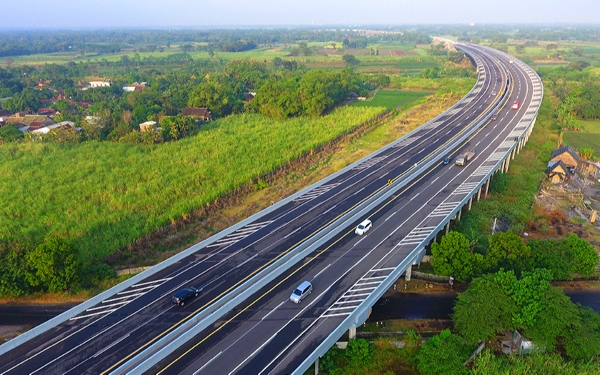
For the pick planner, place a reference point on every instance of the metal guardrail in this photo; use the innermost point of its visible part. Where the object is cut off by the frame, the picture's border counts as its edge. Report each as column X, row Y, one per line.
column 144, row 360
column 357, row 316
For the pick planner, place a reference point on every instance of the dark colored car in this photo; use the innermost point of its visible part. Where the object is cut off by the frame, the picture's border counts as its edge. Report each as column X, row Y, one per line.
column 184, row 295
column 494, row 117
column 447, row 160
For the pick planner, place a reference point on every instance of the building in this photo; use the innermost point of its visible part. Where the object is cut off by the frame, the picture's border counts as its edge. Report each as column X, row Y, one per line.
column 35, row 121
column 557, row 172
column 147, row 126
column 100, row 82
column 47, row 129
column 4, row 115
column 568, row 156
column 200, row 113
column 135, row 87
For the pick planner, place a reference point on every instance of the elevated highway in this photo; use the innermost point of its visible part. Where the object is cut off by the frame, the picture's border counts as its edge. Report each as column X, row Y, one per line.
column 242, row 321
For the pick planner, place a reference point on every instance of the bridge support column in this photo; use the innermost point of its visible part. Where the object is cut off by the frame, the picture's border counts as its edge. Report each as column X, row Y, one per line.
column 487, row 186
column 408, row 273
column 470, row 202
column 459, row 214
column 352, row 333
column 478, row 194
column 513, row 153
column 317, row 366
column 447, row 227
column 520, row 144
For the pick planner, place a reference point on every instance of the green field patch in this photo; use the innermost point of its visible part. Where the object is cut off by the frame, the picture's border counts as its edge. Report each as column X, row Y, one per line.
column 588, row 137
column 390, row 98
column 106, row 195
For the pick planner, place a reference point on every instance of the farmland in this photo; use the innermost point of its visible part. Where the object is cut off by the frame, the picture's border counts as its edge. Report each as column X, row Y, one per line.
column 390, row 98
column 587, row 137
column 106, row 195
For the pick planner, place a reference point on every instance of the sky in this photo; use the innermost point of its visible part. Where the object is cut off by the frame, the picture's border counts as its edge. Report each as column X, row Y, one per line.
column 76, row 14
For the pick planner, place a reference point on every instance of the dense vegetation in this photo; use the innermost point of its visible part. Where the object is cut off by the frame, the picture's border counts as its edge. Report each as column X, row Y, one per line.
column 455, row 256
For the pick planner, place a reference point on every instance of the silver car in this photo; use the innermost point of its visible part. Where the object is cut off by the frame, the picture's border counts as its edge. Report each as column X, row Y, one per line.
column 301, row 292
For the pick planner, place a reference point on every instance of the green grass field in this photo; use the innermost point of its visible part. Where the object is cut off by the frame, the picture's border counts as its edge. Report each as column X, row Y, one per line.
column 106, row 195
column 391, row 98
column 588, row 137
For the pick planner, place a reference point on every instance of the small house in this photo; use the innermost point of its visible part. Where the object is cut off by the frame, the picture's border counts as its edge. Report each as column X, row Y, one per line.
column 148, row 126
column 197, row 112
column 135, row 87
column 558, row 172
column 568, row 156
column 21, row 119
column 49, row 128
column 100, row 82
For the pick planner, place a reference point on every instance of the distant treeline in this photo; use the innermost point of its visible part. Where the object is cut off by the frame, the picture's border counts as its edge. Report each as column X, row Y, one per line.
column 15, row 43
column 501, row 33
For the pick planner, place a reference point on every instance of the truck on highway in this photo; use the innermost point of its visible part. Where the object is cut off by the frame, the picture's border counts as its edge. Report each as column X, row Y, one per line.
column 465, row 157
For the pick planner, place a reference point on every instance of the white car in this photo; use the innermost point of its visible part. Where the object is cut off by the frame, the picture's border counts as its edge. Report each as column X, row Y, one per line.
column 363, row 227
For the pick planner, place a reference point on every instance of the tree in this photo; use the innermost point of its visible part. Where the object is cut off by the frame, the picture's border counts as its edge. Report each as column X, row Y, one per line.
column 507, row 250
column 54, row 264
column 583, row 342
column 520, row 48
column 453, row 257
column 10, row 133
column 28, row 99
column 499, row 183
column 551, row 46
column 443, row 354
column 556, row 318
column 483, row 310
column 456, row 56
column 350, row 60
column 585, row 257
column 278, row 98
column 65, row 134
column 221, row 98
column 178, row 127
column 527, row 293
column 13, row 271
column 578, row 65
column 577, row 51
column 554, row 256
